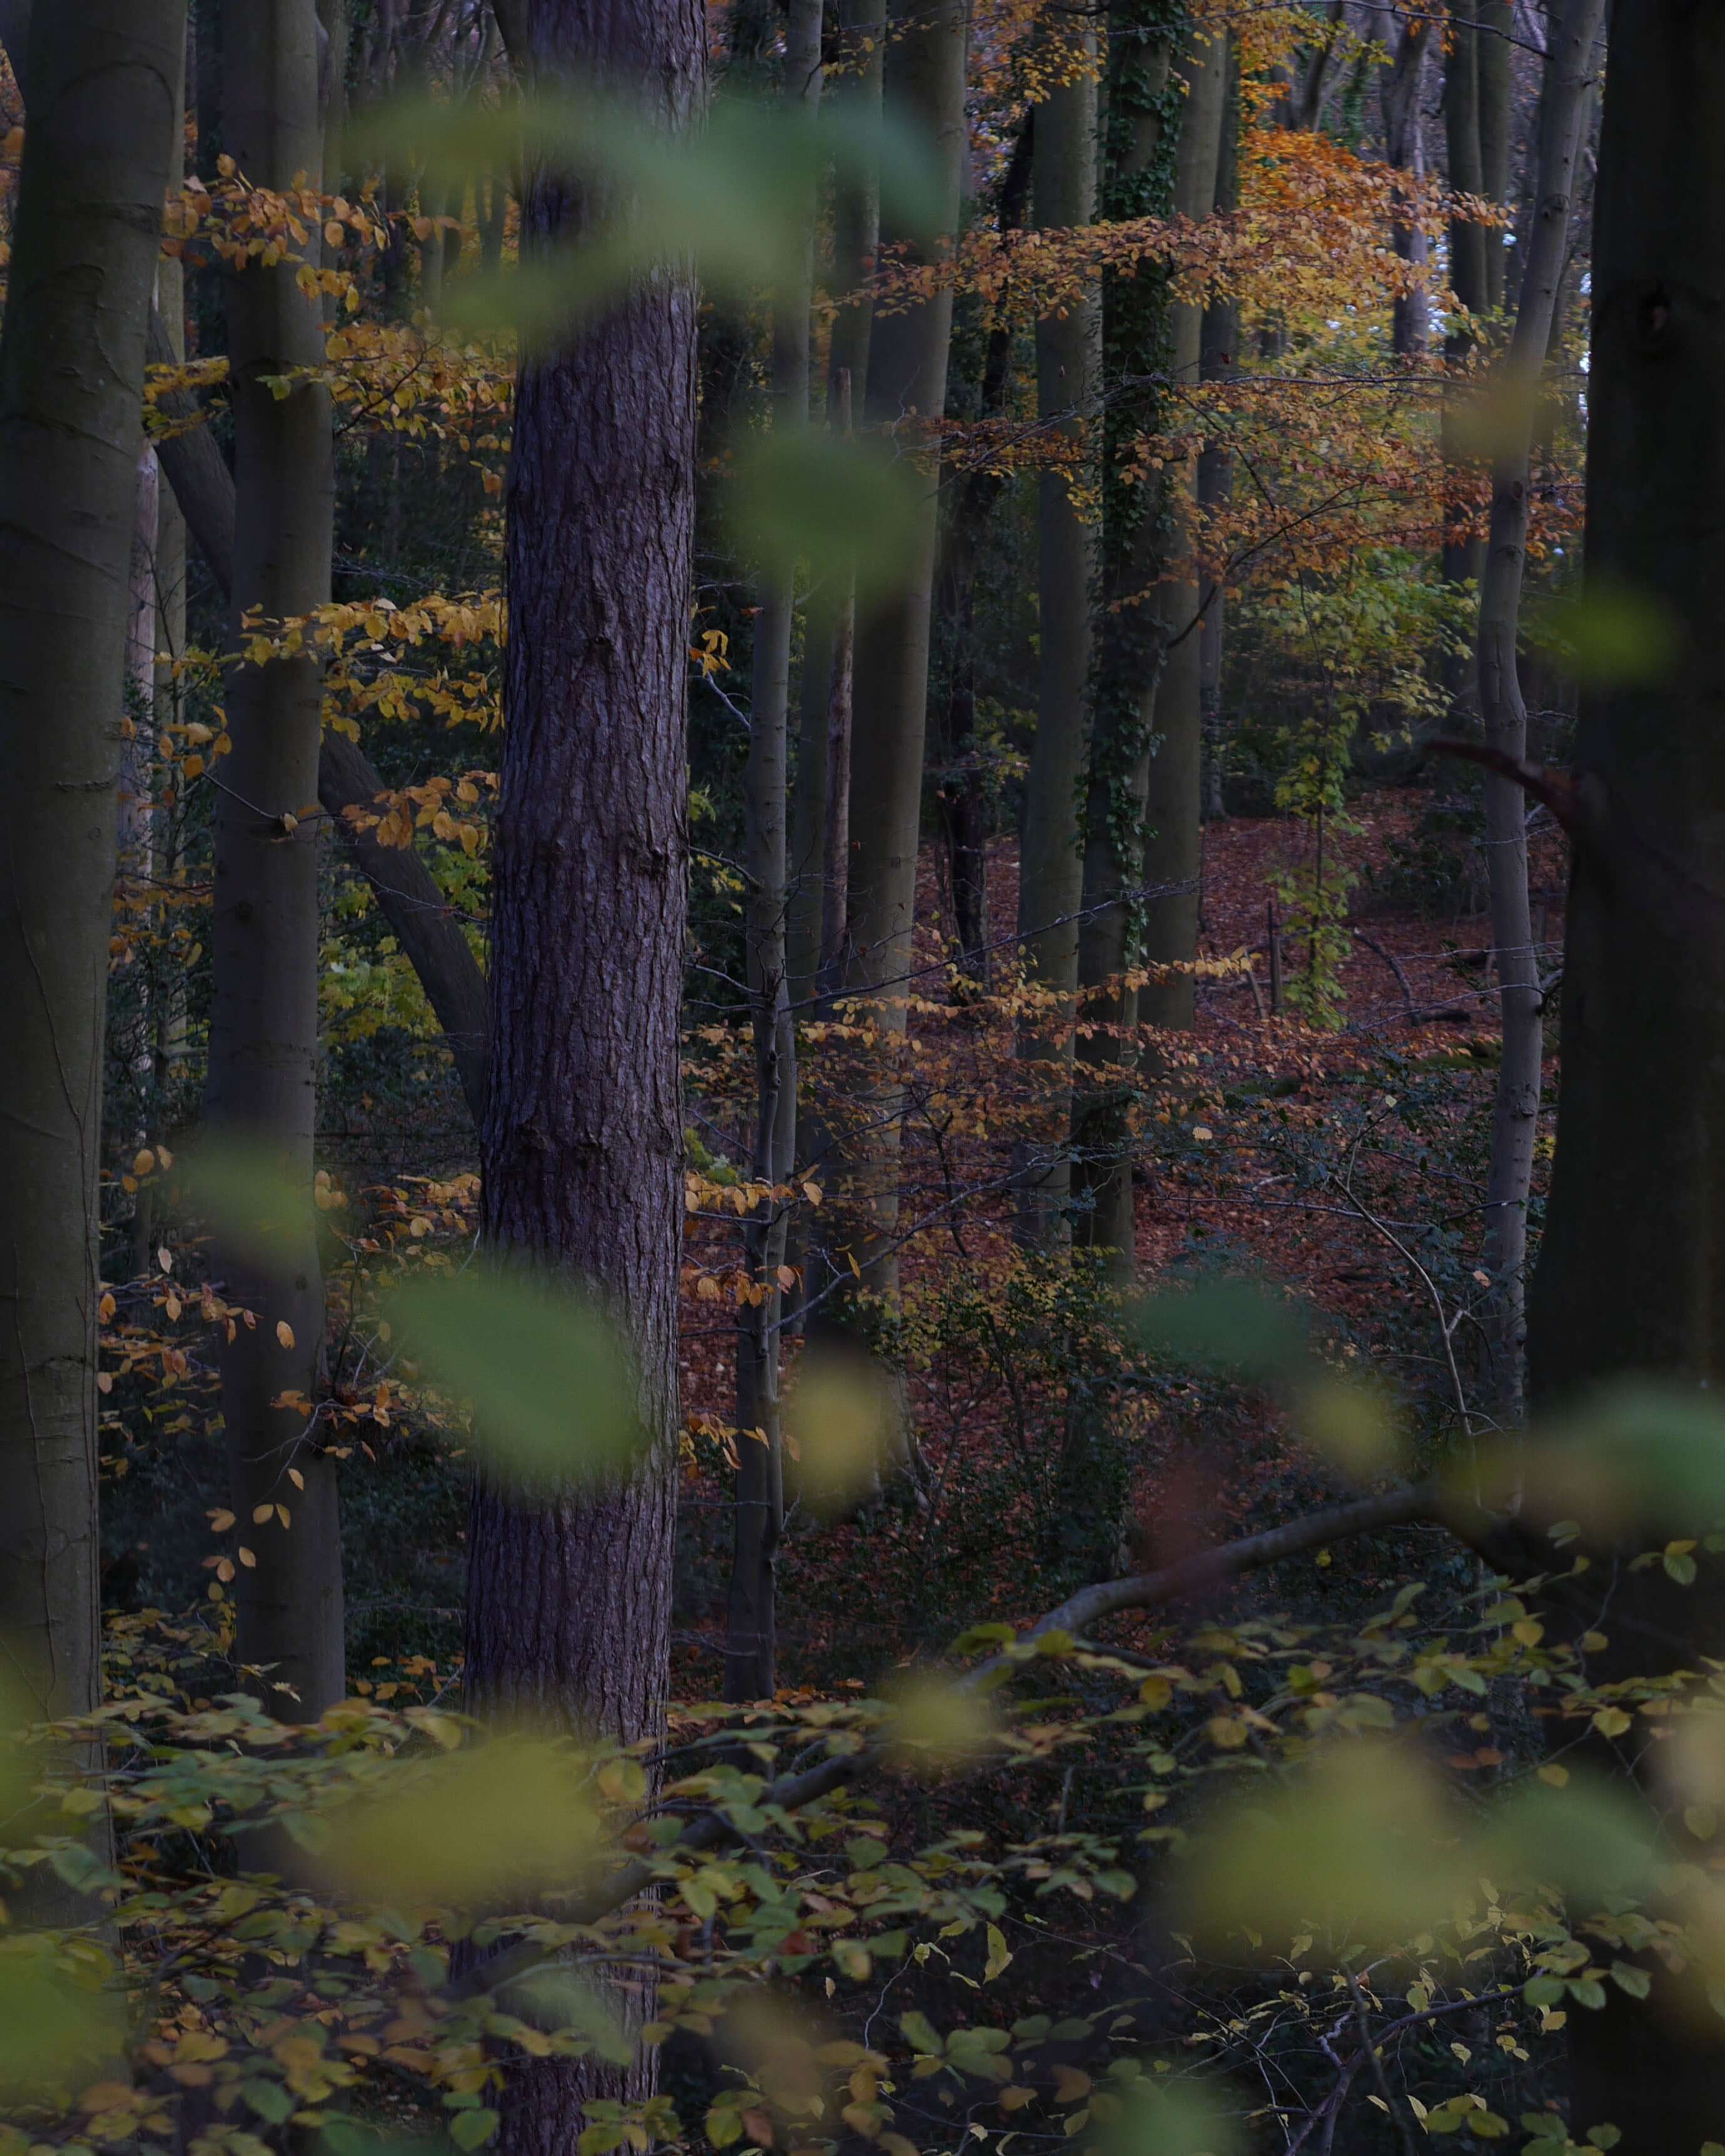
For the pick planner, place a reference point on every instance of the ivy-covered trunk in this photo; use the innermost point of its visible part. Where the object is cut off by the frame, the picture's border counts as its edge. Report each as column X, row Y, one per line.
column 1144, row 106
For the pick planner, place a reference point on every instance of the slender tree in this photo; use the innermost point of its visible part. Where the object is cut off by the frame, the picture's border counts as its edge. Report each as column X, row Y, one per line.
column 261, row 1089
column 1144, row 108
column 1050, row 859
column 101, row 78
column 759, row 1496
column 1219, row 355
column 820, row 818
column 1628, row 1277
column 569, row 1593
column 1173, row 797
column 1402, row 87
column 1573, row 60
column 907, row 401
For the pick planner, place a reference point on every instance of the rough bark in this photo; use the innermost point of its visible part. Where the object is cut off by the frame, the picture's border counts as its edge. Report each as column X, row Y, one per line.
column 261, row 1088
column 1050, row 861
column 906, row 398
column 1174, row 793
column 1572, row 61
column 750, row 1649
column 1632, row 1273
column 569, row 1598
column 1144, row 112
column 101, row 79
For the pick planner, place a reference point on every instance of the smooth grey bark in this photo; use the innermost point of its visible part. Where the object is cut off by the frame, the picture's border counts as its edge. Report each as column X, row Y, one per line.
column 569, row 1595
column 1630, row 1278
column 1401, row 87
column 907, row 401
column 1173, row 791
column 819, row 849
column 1572, row 62
column 759, row 1497
column 261, row 1089
column 1462, row 134
column 420, row 917
column 1068, row 358
column 101, row 77
column 1494, row 29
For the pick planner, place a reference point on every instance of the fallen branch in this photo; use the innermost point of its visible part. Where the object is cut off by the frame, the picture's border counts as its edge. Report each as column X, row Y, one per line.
column 1429, row 1502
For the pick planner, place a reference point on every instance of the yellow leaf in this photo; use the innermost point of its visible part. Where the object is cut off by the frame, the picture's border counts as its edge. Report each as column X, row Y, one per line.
column 144, row 1164
column 260, row 1513
column 1611, row 1722
column 1554, row 1773
column 296, row 1478
column 221, row 1519
column 284, row 1333
column 247, row 1557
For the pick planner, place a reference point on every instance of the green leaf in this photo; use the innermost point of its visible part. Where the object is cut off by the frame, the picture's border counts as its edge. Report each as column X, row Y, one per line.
column 270, row 2100
column 553, row 1396
column 999, row 1954
column 1233, row 1327
column 472, row 2129
column 840, row 507
column 919, row 2033
column 1636, row 1982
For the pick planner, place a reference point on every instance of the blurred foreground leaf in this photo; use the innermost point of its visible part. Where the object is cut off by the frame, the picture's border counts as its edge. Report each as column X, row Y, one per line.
column 498, row 1823
column 552, row 1392
column 1613, row 636
column 842, row 1415
column 808, row 494
column 1232, row 1328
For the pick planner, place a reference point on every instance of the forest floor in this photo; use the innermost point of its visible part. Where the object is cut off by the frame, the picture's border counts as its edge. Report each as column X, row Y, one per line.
column 1344, row 1165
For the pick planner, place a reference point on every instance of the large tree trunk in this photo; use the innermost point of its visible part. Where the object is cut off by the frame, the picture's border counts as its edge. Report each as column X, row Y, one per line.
column 1571, row 62
column 1051, row 863
column 262, row 1085
column 907, row 401
column 101, row 78
column 569, row 1598
column 1631, row 1274
column 1173, row 797
column 1136, row 347
column 750, row 1648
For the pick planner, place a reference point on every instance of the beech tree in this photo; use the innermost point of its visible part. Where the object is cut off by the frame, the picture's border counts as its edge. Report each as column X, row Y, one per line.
column 101, row 78
column 261, row 1090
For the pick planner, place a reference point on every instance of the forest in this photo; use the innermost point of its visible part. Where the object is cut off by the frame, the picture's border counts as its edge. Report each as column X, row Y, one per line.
column 860, row 1287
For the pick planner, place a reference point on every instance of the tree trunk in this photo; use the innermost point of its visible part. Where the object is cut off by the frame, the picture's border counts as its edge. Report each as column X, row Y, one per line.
column 1405, row 147
column 1051, row 862
column 820, row 855
column 1136, row 347
column 959, row 785
column 1631, row 1274
column 1571, row 62
column 1494, row 30
column 907, row 401
column 262, row 1086
column 1173, row 797
column 419, row 916
column 100, row 79
column 1218, row 358
column 568, row 1611
column 750, row 1650
column 1463, row 554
